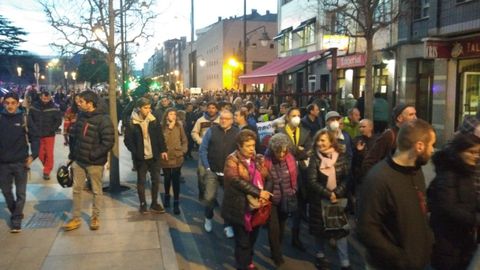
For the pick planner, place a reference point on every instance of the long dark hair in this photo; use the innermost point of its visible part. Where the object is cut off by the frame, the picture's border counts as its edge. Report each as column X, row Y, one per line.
column 449, row 156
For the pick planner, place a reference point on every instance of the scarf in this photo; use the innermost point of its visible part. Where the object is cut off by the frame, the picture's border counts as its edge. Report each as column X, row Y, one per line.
column 143, row 123
column 327, row 167
column 257, row 181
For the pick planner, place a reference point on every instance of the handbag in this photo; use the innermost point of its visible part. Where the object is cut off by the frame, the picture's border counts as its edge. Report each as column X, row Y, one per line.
column 261, row 215
column 334, row 217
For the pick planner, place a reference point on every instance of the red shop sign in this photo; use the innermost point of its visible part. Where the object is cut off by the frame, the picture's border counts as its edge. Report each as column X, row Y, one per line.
column 453, row 48
column 348, row 61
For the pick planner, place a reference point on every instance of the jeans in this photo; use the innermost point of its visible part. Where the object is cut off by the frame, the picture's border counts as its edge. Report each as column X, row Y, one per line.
column 244, row 245
column 95, row 174
column 342, row 249
column 172, row 178
column 201, row 180
column 153, row 167
column 45, row 153
column 10, row 173
column 212, row 182
column 276, row 228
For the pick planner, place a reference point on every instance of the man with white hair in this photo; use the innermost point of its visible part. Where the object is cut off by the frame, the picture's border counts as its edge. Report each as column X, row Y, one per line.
column 217, row 143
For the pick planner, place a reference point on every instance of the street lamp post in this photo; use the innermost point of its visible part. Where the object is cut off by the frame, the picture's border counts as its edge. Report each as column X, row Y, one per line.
column 264, row 39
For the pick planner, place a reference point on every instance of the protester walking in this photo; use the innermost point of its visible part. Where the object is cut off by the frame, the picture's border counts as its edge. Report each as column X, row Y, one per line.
column 453, row 202
column 16, row 157
column 47, row 118
column 244, row 175
column 282, row 172
column 94, row 138
column 328, row 175
column 144, row 139
column 392, row 221
column 177, row 145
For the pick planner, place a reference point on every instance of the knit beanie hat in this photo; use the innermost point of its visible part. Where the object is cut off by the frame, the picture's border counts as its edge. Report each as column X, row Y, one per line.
column 397, row 110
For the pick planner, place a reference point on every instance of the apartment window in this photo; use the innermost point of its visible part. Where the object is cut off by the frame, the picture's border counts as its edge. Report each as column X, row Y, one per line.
column 421, row 9
column 383, row 11
column 287, row 41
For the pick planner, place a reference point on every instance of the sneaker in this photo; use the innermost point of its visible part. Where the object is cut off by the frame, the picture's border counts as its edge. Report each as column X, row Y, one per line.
column 72, row 224
column 157, row 208
column 16, row 228
column 94, row 223
column 143, row 209
column 46, row 176
column 208, row 224
column 229, row 232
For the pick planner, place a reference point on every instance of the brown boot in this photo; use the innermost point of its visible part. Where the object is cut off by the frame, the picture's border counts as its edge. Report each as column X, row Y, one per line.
column 94, row 223
column 72, row 224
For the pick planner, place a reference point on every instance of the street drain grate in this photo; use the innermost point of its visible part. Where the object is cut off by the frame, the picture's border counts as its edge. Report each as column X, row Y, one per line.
column 42, row 220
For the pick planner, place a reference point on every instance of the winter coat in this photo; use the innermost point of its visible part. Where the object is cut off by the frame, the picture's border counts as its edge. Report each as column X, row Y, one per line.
column 237, row 185
column 317, row 189
column 202, row 125
column 392, row 219
column 14, row 144
column 383, row 147
column 134, row 140
column 272, row 173
column 46, row 117
column 177, row 145
column 93, row 137
column 455, row 213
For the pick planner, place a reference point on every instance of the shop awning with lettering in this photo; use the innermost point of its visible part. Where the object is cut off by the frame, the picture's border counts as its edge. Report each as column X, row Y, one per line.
column 269, row 72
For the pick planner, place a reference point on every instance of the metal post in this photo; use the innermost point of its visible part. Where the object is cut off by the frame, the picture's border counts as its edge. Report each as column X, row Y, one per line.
column 122, row 49
column 244, row 42
column 333, row 85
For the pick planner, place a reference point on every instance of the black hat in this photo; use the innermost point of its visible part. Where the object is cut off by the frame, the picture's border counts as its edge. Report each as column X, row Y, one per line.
column 397, row 110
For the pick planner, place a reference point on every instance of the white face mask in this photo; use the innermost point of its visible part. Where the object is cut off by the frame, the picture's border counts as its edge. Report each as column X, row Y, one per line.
column 334, row 125
column 295, row 121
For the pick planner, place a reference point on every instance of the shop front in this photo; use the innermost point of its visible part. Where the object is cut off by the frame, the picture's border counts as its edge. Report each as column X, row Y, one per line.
column 452, row 79
column 464, row 57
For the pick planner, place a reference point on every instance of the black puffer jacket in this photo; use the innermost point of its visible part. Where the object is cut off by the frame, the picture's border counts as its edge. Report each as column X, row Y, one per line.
column 46, row 117
column 93, row 138
column 237, row 186
column 317, row 189
column 455, row 213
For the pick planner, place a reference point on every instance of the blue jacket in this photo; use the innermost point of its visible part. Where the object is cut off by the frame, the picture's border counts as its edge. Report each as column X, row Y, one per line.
column 13, row 139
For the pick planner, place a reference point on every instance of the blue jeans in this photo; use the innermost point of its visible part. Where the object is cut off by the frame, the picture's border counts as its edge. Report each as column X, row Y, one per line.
column 342, row 249
column 8, row 174
column 212, row 182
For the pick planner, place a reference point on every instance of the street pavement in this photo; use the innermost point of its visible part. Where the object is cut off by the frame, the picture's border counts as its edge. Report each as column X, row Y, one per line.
column 128, row 240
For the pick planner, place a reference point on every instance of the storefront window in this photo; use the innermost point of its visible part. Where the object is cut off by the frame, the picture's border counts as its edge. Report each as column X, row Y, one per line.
column 469, row 87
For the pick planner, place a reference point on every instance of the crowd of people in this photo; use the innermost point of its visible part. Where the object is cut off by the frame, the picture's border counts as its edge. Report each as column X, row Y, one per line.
column 340, row 173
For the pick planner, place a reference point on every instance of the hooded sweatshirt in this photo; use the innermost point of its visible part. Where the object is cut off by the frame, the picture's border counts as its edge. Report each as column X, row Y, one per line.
column 143, row 123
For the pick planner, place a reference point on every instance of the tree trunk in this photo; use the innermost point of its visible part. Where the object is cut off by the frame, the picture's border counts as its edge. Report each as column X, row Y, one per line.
column 368, row 94
column 112, row 100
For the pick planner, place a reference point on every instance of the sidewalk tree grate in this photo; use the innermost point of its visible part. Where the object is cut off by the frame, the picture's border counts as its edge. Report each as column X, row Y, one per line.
column 43, row 220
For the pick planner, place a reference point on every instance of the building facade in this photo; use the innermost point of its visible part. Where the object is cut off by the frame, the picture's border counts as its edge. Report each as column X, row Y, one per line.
column 216, row 56
column 438, row 56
